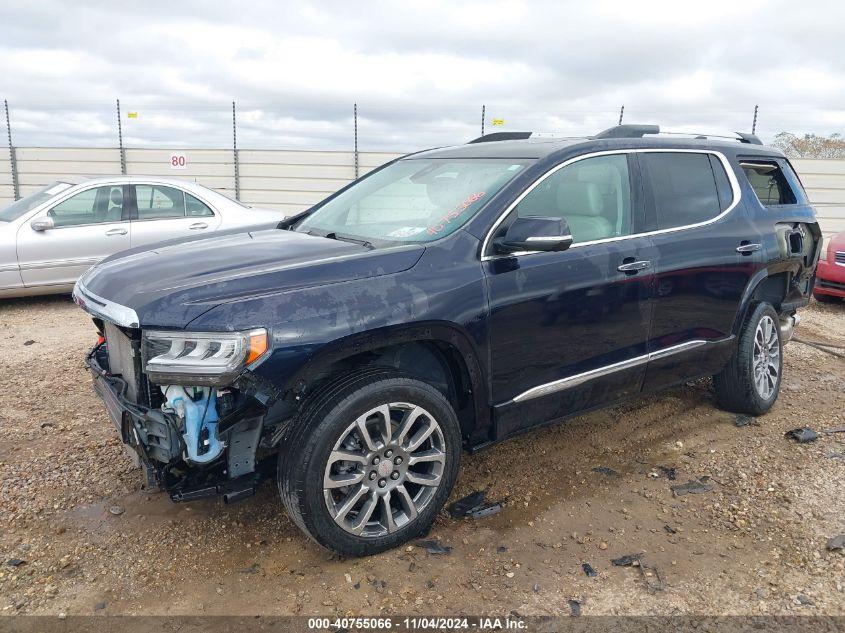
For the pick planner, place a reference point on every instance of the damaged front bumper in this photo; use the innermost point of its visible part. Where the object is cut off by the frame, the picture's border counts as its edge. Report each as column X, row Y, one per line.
column 151, row 435
column 154, row 441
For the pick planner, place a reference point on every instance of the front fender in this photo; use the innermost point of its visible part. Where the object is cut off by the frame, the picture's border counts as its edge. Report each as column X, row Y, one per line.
column 435, row 331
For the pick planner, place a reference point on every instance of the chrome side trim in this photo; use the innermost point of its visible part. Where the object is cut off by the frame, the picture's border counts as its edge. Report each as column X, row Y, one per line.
column 580, row 379
column 103, row 308
column 550, row 238
column 677, row 349
column 737, row 196
column 85, row 261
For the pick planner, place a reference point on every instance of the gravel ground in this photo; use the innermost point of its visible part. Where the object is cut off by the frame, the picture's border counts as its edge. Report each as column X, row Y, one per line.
column 79, row 535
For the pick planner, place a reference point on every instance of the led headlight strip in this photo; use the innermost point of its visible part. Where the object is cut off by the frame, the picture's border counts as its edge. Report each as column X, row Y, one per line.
column 200, row 358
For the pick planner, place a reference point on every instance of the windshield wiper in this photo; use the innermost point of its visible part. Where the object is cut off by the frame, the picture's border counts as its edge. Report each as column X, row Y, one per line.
column 346, row 238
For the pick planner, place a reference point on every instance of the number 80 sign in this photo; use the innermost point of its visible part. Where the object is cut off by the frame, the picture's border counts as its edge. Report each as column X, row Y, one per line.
column 178, row 161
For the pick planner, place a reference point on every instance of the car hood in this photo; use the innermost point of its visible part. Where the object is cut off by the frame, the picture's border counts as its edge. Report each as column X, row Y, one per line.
column 171, row 284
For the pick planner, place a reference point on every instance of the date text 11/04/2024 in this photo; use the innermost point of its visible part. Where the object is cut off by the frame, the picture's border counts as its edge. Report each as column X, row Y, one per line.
column 420, row 622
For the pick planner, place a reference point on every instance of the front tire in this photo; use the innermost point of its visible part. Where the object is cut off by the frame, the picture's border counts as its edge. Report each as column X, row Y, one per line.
column 826, row 298
column 750, row 382
column 370, row 461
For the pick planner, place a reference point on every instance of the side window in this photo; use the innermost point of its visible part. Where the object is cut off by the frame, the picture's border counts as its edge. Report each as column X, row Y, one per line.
column 157, row 201
column 196, row 208
column 768, row 182
column 723, row 184
column 683, row 186
column 92, row 206
column 593, row 196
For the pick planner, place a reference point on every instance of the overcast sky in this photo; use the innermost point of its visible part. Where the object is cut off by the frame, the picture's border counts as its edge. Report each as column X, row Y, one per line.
column 419, row 70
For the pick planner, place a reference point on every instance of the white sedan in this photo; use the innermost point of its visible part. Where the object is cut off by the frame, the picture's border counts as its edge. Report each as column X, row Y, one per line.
column 49, row 238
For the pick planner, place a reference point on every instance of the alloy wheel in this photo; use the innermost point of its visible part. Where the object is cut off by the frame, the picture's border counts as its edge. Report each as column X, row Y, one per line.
column 766, row 359
column 384, row 469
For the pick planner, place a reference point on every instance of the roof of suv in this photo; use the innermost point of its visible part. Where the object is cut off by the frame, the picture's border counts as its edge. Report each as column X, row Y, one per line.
column 524, row 145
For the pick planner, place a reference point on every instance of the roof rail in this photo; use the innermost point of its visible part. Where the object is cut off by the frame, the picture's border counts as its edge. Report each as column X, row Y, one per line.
column 745, row 137
column 638, row 131
column 628, row 131
column 502, row 136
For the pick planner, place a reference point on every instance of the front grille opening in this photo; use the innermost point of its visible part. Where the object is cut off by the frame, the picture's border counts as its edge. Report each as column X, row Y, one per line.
column 153, row 396
column 832, row 285
column 124, row 355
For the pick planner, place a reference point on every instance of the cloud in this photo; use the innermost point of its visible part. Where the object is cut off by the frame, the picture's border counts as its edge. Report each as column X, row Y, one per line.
column 419, row 70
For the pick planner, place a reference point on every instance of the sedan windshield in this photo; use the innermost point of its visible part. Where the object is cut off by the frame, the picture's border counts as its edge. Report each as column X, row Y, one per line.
column 18, row 208
column 413, row 200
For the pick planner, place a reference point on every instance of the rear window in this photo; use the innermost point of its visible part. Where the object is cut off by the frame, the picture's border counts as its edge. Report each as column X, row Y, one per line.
column 684, row 187
column 768, row 181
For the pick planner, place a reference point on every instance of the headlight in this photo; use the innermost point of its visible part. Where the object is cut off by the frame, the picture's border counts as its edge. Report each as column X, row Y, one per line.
column 200, row 358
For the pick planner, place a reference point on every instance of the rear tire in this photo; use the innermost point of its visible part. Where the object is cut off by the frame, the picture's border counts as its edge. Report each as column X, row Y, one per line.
column 399, row 475
column 826, row 298
column 750, row 382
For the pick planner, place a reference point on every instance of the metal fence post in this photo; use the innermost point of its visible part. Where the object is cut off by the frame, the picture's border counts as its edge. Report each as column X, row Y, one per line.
column 120, row 141
column 483, row 115
column 621, row 113
column 235, row 154
column 355, row 126
column 754, row 122
column 13, row 163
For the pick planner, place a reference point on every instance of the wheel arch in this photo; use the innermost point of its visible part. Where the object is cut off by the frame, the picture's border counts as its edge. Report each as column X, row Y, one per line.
column 439, row 353
column 765, row 285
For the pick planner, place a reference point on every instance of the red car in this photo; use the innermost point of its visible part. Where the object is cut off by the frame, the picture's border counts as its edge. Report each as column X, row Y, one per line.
column 830, row 274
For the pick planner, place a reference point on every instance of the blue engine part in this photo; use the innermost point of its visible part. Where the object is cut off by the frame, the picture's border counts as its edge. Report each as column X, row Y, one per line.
column 200, row 417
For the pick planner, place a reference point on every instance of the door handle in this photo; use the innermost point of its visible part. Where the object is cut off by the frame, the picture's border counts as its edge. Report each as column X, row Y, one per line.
column 111, row 232
column 634, row 267
column 746, row 249
column 198, row 225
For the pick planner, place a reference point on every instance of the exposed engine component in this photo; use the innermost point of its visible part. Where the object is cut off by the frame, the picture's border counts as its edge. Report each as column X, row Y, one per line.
column 196, row 408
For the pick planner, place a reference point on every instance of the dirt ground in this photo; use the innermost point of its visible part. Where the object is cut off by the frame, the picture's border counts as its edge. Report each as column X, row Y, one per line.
column 80, row 536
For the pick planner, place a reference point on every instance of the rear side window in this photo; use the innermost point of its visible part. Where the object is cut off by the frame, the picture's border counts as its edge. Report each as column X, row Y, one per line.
column 768, row 181
column 723, row 184
column 684, row 188
column 157, row 202
column 196, row 208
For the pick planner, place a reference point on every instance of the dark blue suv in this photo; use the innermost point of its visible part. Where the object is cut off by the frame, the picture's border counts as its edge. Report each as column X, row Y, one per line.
column 448, row 300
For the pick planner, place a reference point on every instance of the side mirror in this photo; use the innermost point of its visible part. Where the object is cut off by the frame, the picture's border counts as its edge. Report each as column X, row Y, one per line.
column 42, row 224
column 535, row 234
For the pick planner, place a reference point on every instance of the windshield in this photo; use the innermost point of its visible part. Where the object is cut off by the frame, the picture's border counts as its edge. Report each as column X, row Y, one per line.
column 415, row 200
column 17, row 209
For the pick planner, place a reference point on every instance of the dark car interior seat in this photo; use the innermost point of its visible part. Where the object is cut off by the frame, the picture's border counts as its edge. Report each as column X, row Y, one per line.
column 115, row 207
column 109, row 208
